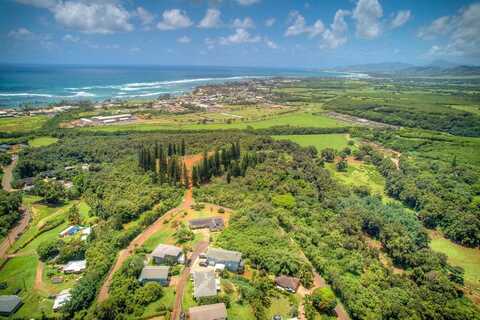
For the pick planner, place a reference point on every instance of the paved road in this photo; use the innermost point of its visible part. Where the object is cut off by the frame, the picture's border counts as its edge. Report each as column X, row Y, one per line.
column 185, row 276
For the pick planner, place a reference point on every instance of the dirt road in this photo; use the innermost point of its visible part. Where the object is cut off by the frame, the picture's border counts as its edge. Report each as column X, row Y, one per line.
column 187, row 201
column 15, row 232
column 180, row 288
column 8, row 175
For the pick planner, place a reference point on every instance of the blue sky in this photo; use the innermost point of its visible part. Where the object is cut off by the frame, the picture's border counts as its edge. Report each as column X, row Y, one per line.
column 279, row 33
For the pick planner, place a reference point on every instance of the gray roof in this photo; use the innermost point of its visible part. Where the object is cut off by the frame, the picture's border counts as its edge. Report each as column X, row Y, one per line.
column 223, row 255
column 215, row 311
column 212, row 223
column 9, row 304
column 163, row 250
column 154, row 273
column 204, row 284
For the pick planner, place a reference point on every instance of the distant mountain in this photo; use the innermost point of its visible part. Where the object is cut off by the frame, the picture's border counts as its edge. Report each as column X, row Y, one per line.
column 384, row 67
column 436, row 68
column 457, row 71
column 443, row 64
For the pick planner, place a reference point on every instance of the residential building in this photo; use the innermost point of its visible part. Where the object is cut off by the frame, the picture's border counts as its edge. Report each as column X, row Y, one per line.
column 216, row 311
column 9, row 305
column 213, row 224
column 204, row 284
column 167, row 254
column 158, row 274
column 63, row 297
column 231, row 259
column 75, row 266
column 70, row 231
column 289, row 284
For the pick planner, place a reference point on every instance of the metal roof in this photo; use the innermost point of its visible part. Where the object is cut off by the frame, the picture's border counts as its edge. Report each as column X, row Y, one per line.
column 154, row 273
column 204, row 284
column 216, row 311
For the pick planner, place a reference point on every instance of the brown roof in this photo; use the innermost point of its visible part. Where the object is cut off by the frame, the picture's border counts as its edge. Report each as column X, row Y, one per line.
column 287, row 282
column 216, row 311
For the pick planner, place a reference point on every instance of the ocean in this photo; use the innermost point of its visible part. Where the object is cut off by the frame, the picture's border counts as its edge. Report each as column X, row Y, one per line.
column 38, row 85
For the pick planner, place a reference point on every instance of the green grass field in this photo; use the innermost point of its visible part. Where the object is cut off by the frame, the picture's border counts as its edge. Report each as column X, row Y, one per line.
column 22, row 124
column 360, row 174
column 42, row 142
column 319, row 141
column 467, row 258
column 292, row 119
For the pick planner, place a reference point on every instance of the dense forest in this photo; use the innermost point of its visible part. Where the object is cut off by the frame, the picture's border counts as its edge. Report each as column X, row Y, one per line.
column 445, row 194
column 9, row 210
column 291, row 195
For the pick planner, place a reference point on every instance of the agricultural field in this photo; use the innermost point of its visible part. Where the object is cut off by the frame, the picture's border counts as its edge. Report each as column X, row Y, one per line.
column 298, row 119
column 319, row 141
column 42, row 141
column 22, row 124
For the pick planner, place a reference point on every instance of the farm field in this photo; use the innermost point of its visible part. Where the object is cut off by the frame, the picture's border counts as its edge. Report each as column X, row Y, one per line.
column 467, row 258
column 22, row 124
column 319, row 141
column 42, row 142
column 293, row 119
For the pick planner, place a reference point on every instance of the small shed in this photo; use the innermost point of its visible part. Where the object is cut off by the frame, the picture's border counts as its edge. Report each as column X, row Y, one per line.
column 75, row 266
column 63, row 297
column 289, row 284
column 216, row 311
column 158, row 274
column 9, row 305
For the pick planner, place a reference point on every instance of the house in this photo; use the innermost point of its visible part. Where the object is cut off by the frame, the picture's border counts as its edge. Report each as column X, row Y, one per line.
column 9, row 305
column 213, row 223
column 289, row 284
column 158, row 274
column 216, row 311
column 168, row 254
column 231, row 259
column 70, row 231
column 26, row 184
column 62, row 298
column 75, row 266
column 204, row 284
column 85, row 232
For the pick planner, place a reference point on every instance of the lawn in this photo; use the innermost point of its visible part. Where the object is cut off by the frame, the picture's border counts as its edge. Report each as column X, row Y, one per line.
column 19, row 273
column 281, row 305
column 319, row 141
column 166, row 301
column 467, row 258
column 22, row 124
column 42, row 141
column 298, row 119
column 360, row 174
column 188, row 299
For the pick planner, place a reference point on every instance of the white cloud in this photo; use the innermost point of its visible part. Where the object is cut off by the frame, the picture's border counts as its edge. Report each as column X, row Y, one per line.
column 145, row 16
column 299, row 26
column 135, row 50
column 270, row 22
column 211, row 19
column 247, row 2
column 460, row 32
column 246, row 23
column 20, row 33
column 240, row 36
column 184, row 40
column 174, row 19
column 367, row 14
column 101, row 18
column 271, row 44
column 335, row 36
column 400, row 19
column 70, row 38
column 439, row 26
